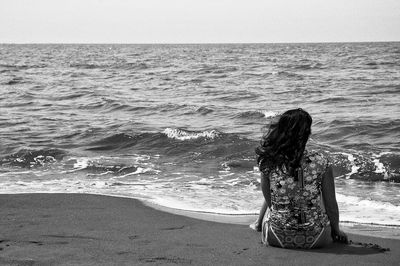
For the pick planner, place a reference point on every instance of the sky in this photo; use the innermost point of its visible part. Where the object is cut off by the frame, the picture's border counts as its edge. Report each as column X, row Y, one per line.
column 198, row 21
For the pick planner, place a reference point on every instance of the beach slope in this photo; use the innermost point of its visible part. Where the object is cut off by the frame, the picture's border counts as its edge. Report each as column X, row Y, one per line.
column 80, row 229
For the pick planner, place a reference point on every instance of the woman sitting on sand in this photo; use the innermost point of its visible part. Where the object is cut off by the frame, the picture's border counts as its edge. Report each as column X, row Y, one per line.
column 300, row 208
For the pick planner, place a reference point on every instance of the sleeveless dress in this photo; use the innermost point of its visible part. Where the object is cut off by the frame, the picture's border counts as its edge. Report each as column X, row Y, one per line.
column 297, row 217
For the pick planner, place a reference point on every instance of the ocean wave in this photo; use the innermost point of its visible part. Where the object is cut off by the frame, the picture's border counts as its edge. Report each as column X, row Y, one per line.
column 192, row 109
column 14, row 81
column 180, row 134
column 32, row 158
column 161, row 142
column 256, row 114
column 204, row 110
column 111, row 65
column 138, row 66
column 244, row 164
column 179, row 144
column 303, row 65
column 111, row 106
column 381, row 63
column 68, row 96
column 251, row 115
column 116, row 166
column 288, row 74
column 21, row 66
column 112, row 142
column 309, row 66
column 334, row 100
column 18, row 104
column 238, row 96
column 197, row 80
column 368, row 167
column 117, row 138
column 88, row 65
column 217, row 69
column 231, row 150
column 385, row 89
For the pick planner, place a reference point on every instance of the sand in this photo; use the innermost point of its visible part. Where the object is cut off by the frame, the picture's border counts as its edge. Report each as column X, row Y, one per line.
column 80, row 229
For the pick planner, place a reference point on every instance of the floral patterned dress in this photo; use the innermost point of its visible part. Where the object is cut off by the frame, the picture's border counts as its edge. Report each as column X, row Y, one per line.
column 297, row 217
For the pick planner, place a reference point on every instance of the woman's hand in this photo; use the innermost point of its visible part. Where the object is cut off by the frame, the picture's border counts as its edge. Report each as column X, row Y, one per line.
column 256, row 226
column 339, row 236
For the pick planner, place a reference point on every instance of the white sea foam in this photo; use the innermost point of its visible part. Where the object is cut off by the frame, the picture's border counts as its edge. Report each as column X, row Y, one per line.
column 42, row 160
column 380, row 168
column 352, row 159
column 354, row 167
column 269, row 114
column 356, row 209
column 139, row 170
column 81, row 163
column 180, row 134
column 385, row 153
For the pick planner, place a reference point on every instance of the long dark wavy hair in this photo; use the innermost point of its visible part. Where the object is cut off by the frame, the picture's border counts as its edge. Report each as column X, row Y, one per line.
column 284, row 143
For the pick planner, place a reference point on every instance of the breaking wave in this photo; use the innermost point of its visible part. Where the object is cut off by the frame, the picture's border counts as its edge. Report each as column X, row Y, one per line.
column 180, row 134
column 32, row 158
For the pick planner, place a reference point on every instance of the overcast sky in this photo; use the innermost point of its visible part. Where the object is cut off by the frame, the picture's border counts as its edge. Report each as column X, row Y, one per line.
column 198, row 21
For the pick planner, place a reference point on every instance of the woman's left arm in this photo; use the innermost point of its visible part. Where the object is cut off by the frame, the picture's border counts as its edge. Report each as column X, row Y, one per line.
column 266, row 203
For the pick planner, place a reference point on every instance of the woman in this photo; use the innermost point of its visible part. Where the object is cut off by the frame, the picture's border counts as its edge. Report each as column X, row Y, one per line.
column 300, row 208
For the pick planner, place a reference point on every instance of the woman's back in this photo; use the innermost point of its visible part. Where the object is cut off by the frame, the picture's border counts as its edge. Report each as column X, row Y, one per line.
column 297, row 214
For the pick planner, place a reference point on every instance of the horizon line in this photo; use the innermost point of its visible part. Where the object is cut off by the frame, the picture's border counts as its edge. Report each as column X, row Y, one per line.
column 195, row 43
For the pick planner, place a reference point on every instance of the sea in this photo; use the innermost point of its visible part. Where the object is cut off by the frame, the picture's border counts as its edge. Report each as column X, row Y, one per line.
column 176, row 125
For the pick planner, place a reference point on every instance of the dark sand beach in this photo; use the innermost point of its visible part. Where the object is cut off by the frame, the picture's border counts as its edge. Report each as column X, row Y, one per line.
column 80, row 229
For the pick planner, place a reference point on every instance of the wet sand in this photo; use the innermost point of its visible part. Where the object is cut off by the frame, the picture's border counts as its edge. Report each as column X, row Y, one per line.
column 80, row 229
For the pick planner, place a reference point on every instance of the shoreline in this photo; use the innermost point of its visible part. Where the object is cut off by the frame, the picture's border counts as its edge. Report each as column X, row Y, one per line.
column 388, row 232
column 87, row 229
